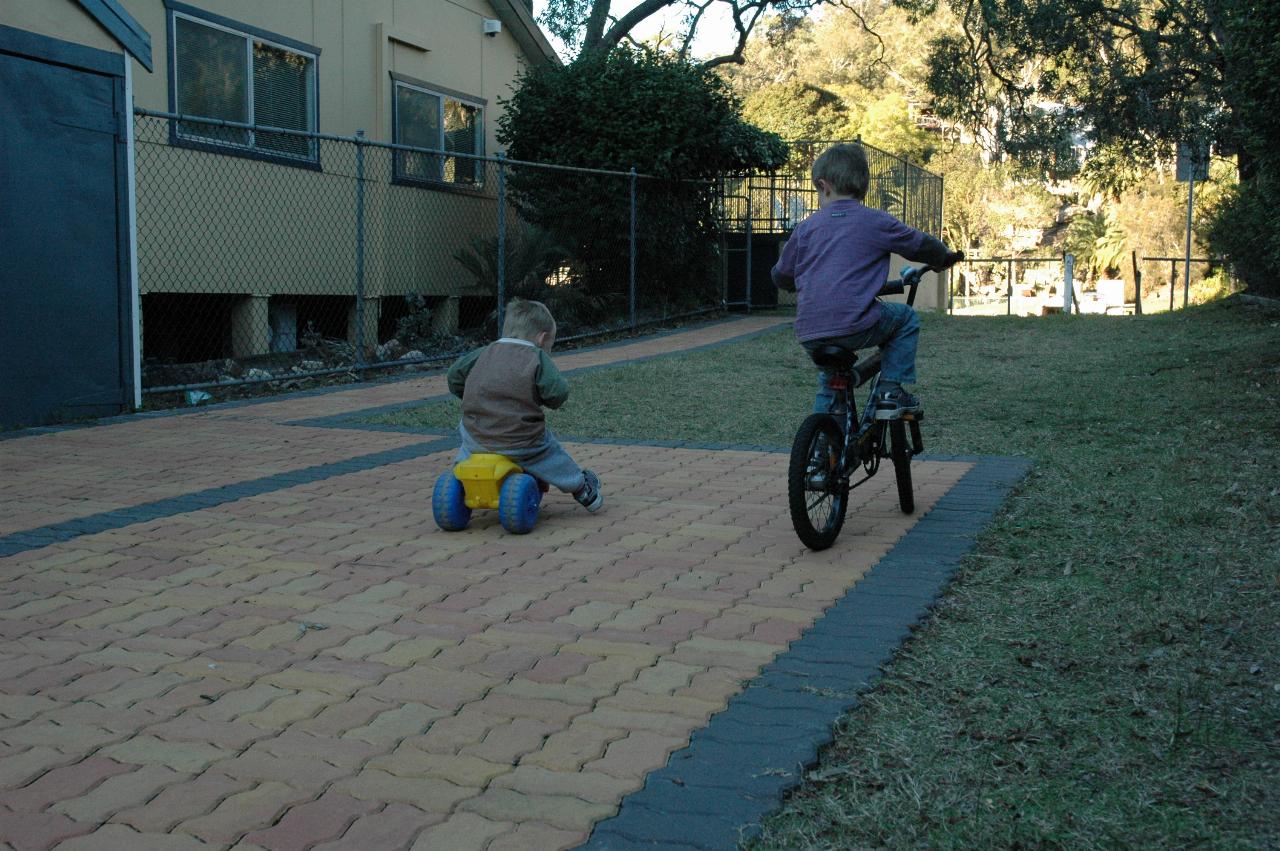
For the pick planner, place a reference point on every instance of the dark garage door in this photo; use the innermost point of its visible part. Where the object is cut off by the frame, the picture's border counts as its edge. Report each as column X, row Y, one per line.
column 65, row 322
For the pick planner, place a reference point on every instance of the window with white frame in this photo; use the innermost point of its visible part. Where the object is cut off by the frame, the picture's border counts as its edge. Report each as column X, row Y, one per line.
column 441, row 121
column 220, row 72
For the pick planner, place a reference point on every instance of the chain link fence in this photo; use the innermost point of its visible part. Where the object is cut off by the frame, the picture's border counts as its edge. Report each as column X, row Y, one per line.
column 267, row 254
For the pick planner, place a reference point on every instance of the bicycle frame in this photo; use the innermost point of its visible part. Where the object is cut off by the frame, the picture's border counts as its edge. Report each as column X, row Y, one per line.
column 865, row 445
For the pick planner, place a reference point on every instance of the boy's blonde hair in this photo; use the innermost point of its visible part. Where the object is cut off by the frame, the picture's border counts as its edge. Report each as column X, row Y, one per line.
column 845, row 168
column 527, row 319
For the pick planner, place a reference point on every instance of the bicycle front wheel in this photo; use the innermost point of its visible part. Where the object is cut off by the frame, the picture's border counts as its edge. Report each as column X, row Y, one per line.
column 900, row 452
column 817, row 494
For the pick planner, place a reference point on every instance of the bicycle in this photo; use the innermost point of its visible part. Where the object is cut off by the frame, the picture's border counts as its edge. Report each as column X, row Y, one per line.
column 826, row 452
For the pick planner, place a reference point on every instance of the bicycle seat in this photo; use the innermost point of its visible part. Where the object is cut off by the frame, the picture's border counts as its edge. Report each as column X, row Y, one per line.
column 834, row 357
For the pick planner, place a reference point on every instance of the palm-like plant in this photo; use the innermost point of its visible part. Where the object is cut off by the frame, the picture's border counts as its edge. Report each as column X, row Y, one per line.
column 1099, row 243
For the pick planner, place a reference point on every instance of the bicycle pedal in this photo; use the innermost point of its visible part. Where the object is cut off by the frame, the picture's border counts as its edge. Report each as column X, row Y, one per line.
column 893, row 414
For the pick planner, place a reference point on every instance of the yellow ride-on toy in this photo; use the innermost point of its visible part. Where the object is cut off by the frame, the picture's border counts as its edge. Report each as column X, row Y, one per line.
column 487, row 481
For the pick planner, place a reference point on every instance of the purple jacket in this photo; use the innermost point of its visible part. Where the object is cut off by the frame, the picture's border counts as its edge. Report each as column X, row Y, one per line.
column 839, row 259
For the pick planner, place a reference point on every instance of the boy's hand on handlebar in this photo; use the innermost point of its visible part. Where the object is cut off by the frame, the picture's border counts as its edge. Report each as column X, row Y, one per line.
column 952, row 259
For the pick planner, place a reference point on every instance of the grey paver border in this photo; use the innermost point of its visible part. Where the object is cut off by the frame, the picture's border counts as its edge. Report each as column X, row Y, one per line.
column 68, row 530
column 713, row 793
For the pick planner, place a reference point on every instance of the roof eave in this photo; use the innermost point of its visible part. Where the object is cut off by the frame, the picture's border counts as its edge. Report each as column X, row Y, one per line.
column 516, row 17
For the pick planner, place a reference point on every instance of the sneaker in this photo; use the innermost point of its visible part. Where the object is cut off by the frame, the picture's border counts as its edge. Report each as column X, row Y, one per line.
column 588, row 496
column 892, row 404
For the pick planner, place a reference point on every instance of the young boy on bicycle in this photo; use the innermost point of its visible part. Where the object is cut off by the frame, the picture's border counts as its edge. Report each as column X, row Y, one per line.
column 503, row 388
column 836, row 262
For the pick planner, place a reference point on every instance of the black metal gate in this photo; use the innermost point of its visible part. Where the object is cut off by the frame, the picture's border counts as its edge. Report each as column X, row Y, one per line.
column 66, row 325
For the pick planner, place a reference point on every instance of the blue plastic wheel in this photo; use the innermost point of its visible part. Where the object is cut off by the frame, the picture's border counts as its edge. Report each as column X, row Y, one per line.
column 518, row 503
column 449, row 504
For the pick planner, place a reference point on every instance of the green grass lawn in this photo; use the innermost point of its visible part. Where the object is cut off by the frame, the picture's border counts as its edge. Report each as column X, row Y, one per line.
column 1105, row 670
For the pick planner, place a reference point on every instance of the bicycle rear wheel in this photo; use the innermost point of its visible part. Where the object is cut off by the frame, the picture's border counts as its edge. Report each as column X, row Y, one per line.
column 815, row 491
column 900, row 452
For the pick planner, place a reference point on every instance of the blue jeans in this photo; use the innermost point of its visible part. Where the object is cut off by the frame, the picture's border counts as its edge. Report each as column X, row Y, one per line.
column 897, row 334
column 547, row 461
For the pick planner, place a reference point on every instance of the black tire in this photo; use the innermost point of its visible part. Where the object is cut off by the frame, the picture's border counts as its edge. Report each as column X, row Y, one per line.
column 817, row 513
column 900, row 452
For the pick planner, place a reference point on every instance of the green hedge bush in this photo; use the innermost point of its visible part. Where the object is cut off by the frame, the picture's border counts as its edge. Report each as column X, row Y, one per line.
column 631, row 109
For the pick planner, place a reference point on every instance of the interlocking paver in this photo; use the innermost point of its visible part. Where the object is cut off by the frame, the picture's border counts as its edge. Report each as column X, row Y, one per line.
column 296, row 744
column 232, row 818
column 287, row 709
column 396, row 724
column 61, row 783
column 532, row 834
column 181, row 802
column 72, row 738
column 431, row 794
column 19, row 769
column 563, row 811
column 191, row 757
column 461, row 832
column 260, row 764
column 639, row 753
column 508, row 742
column 597, row 787
column 117, row 837
column 38, row 831
column 391, row 828
column 573, row 746
column 327, row 817
column 118, row 793
column 461, row 769
column 451, row 734
column 304, row 660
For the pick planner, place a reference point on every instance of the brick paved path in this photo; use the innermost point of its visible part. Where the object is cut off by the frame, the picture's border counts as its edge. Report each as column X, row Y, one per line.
column 221, row 630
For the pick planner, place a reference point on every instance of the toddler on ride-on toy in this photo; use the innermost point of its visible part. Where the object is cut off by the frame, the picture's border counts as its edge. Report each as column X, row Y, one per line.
column 507, row 451
column 837, row 260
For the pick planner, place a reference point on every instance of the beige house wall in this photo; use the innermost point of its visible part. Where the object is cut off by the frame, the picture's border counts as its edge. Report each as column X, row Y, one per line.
column 213, row 223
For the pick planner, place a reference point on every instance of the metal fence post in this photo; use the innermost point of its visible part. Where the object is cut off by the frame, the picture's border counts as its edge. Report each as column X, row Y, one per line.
column 502, row 240
column 632, row 258
column 1137, row 284
column 1186, row 269
column 1173, row 281
column 904, row 188
column 359, row 248
column 749, row 240
column 1068, row 271
column 1008, row 301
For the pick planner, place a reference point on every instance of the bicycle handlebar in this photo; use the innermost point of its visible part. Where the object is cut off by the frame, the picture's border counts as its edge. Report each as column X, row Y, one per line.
column 910, row 278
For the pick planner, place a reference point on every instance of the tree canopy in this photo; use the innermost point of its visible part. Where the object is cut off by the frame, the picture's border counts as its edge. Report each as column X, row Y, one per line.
column 591, row 27
column 1130, row 78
